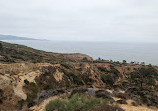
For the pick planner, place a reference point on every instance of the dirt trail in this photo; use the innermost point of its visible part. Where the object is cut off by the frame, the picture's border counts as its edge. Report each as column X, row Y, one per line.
column 138, row 108
column 41, row 107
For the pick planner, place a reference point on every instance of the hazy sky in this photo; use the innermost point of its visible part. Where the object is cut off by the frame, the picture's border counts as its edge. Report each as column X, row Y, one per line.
column 88, row 20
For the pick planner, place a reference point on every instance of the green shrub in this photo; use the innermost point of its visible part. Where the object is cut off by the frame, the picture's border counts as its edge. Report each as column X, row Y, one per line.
column 85, row 59
column 26, row 82
column 76, row 78
column 124, row 83
column 47, row 73
column 66, row 66
column 57, row 104
column 115, row 71
column 107, row 79
column 32, row 94
column 108, row 108
column 1, row 47
column 77, row 102
column 80, row 69
column 21, row 102
column 102, row 69
column 79, row 90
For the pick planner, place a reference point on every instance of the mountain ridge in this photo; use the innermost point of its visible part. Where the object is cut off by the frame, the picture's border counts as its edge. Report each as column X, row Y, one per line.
column 12, row 37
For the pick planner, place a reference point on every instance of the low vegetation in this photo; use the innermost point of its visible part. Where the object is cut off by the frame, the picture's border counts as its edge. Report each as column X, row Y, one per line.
column 106, row 107
column 77, row 102
column 108, row 79
column 144, row 77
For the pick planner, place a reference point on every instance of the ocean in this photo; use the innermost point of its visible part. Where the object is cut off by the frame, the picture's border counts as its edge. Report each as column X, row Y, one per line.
column 139, row 52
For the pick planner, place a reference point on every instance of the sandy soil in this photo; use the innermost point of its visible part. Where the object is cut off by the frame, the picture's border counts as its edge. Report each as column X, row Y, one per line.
column 20, row 83
column 138, row 108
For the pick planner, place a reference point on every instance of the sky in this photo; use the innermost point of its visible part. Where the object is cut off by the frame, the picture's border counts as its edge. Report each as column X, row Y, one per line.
column 81, row 20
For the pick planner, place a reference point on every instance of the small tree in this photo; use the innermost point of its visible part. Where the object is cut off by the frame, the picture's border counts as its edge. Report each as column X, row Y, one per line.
column 132, row 62
column 150, row 65
column 142, row 63
column 124, row 61
column 85, row 59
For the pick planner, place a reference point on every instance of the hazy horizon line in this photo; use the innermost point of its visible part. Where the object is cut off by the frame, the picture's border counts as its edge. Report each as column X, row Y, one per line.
column 57, row 40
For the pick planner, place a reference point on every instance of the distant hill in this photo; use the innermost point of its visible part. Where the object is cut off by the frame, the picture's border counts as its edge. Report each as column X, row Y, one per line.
column 14, row 53
column 11, row 37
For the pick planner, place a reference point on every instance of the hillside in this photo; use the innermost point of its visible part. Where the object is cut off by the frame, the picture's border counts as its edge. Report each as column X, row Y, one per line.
column 13, row 53
column 30, row 78
column 11, row 37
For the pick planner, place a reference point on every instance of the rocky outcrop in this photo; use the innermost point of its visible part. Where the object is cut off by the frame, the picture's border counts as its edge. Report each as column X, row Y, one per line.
column 16, row 68
column 58, row 75
column 14, row 75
